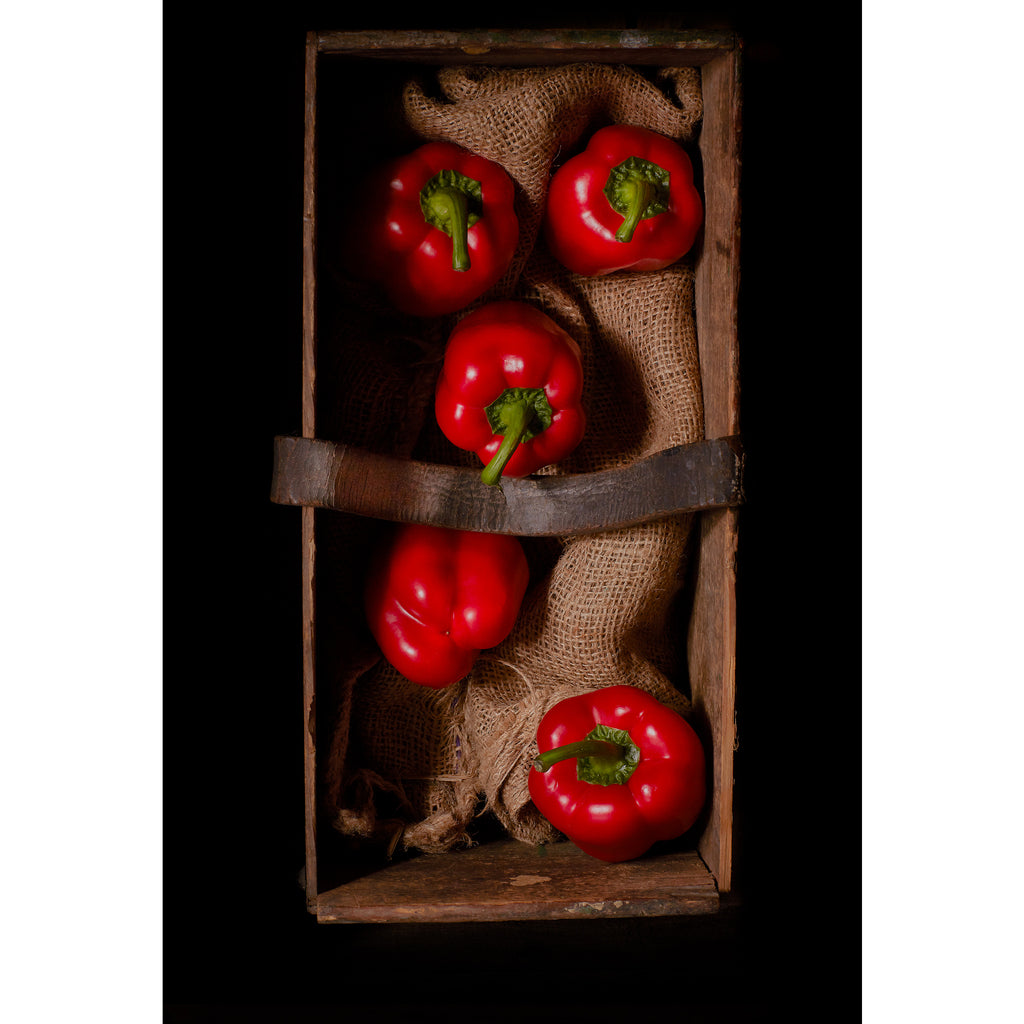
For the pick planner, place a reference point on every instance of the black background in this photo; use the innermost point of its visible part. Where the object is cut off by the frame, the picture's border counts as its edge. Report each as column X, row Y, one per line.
column 239, row 944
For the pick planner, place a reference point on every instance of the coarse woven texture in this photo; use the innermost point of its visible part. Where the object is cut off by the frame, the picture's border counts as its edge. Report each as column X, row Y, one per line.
column 422, row 789
column 411, row 767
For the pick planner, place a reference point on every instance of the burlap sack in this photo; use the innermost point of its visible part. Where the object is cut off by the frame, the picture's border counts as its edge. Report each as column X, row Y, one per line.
column 412, row 767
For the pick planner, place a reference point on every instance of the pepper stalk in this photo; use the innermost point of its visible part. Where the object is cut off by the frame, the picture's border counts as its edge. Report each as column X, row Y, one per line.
column 605, row 756
column 637, row 189
column 518, row 414
column 452, row 202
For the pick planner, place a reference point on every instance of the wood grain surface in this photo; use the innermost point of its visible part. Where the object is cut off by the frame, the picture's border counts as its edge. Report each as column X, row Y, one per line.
column 711, row 640
column 529, row 46
column 326, row 474
column 508, row 880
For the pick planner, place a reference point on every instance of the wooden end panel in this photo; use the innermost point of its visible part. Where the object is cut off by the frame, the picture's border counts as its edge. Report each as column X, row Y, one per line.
column 524, row 47
column 507, row 881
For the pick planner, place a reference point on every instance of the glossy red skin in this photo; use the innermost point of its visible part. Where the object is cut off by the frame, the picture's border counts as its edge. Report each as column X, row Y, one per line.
column 660, row 800
column 503, row 345
column 412, row 259
column 580, row 223
column 435, row 598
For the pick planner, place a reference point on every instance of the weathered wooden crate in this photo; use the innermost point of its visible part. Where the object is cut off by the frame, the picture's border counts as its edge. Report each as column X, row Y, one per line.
column 503, row 879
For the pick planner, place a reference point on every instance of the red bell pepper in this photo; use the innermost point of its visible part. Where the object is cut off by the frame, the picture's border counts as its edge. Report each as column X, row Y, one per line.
column 627, row 202
column 435, row 598
column 510, row 390
column 436, row 228
column 616, row 771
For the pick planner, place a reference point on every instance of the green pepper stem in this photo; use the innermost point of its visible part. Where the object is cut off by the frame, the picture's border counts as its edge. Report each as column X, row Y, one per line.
column 450, row 205
column 581, row 748
column 517, row 416
column 640, row 192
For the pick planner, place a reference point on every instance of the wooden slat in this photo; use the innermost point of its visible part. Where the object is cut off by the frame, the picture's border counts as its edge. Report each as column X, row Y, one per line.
column 309, row 247
column 526, row 47
column 506, row 880
column 325, row 474
column 309, row 431
column 309, row 698
column 717, row 279
column 711, row 643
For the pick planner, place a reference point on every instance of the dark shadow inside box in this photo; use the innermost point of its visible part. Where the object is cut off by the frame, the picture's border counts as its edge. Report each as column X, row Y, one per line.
column 376, row 368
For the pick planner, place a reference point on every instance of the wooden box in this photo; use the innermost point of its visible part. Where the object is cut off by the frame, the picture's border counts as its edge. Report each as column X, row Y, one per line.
column 500, row 878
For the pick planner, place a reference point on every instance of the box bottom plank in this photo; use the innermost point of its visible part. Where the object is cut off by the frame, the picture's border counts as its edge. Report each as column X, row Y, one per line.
column 506, row 880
